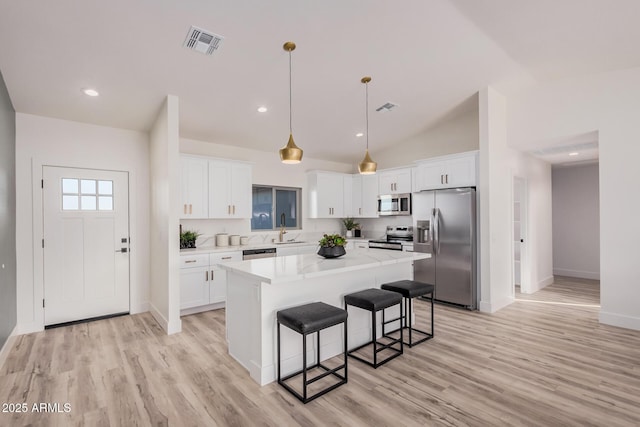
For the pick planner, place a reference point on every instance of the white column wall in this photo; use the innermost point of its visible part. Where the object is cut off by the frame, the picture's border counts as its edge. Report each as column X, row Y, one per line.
column 165, row 201
column 47, row 141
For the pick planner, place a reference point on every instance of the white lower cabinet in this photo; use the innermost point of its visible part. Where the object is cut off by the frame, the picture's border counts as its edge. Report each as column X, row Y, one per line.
column 202, row 282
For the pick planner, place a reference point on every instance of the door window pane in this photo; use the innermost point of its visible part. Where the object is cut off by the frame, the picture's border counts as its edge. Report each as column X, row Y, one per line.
column 69, row 185
column 105, row 203
column 70, row 203
column 88, row 186
column 105, row 187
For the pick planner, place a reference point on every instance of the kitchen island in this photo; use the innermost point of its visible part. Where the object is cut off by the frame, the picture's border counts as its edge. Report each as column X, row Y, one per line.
column 257, row 289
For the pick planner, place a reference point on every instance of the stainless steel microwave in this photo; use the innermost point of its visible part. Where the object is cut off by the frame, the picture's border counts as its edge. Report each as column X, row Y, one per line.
column 394, row 204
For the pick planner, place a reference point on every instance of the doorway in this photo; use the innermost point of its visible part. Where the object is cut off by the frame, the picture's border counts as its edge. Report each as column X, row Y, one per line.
column 85, row 244
column 519, row 236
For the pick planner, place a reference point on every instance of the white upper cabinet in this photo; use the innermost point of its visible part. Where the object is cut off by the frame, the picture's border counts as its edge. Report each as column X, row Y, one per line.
column 364, row 196
column 193, row 187
column 326, row 194
column 457, row 170
column 229, row 189
column 395, row 181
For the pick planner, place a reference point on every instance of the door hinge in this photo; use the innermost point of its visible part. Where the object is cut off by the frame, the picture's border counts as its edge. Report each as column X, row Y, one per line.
column 42, row 303
column 42, row 183
column 42, row 243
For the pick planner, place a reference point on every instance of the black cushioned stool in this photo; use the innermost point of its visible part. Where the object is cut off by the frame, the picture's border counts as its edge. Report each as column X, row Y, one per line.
column 307, row 319
column 375, row 300
column 410, row 289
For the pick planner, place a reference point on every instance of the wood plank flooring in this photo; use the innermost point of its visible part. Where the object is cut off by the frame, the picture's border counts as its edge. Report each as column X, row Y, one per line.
column 543, row 361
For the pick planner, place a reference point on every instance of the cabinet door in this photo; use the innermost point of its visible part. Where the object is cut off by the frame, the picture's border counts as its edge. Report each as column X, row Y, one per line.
column 403, row 181
column 330, row 195
column 387, row 182
column 431, row 175
column 194, row 187
column 369, row 196
column 356, row 196
column 240, row 191
column 219, row 189
column 194, row 287
column 461, row 172
column 217, row 286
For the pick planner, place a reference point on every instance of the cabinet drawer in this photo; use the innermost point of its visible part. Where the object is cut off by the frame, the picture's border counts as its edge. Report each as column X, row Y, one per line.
column 192, row 261
column 218, row 257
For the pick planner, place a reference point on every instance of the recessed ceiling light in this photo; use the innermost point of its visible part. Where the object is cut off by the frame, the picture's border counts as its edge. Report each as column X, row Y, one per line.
column 262, row 109
column 90, row 92
column 575, row 153
column 359, row 134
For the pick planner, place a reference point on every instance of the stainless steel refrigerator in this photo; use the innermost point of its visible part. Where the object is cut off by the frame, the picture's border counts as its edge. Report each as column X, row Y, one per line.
column 445, row 226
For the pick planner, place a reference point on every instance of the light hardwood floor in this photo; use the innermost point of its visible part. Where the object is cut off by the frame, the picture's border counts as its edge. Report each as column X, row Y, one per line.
column 543, row 361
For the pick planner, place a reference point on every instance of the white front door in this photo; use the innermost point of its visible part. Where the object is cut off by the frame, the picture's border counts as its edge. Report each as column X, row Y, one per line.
column 86, row 243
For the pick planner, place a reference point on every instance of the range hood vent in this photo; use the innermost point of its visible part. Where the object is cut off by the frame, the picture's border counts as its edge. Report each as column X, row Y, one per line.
column 202, row 41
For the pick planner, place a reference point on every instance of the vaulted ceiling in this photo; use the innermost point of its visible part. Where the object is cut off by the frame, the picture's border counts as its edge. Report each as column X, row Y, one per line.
column 427, row 56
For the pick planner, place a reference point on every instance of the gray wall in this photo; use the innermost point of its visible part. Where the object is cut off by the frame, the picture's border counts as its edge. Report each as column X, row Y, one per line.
column 7, row 215
column 576, row 221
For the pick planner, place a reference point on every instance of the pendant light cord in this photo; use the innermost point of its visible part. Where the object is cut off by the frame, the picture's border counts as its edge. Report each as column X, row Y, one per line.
column 290, row 98
column 366, row 110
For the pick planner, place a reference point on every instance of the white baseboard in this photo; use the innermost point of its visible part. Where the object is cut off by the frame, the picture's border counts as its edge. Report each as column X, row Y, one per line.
column 493, row 306
column 620, row 320
column 542, row 284
column 593, row 275
column 8, row 345
column 28, row 328
column 169, row 327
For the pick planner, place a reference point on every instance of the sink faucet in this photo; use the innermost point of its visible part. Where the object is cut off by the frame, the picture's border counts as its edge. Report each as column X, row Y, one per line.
column 282, row 230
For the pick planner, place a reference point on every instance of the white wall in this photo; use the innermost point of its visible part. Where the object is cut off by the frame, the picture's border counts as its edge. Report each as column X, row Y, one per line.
column 267, row 170
column 494, row 189
column 47, row 141
column 576, row 221
column 165, row 200
column 610, row 104
column 456, row 135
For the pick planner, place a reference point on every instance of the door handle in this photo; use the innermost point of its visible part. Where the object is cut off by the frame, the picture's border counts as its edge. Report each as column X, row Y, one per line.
column 123, row 250
column 447, row 178
column 206, row 276
column 212, row 275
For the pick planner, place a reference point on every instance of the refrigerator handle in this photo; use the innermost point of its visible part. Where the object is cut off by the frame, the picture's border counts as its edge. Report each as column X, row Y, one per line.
column 436, row 227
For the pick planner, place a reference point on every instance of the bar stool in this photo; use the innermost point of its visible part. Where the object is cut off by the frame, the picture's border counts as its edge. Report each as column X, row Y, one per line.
column 375, row 300
column 410, row 289
column 308, row 319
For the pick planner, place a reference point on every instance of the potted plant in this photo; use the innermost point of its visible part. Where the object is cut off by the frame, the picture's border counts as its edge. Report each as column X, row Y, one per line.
column 332, row 246
column 350, row 224
column 188, row 239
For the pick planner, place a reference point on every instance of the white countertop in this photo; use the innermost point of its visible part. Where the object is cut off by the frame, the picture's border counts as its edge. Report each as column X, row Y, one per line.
column 214, row 249
column 297, row 267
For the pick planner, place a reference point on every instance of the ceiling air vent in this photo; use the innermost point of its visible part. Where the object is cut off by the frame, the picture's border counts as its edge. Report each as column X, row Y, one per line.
column 202, row 41
column 386, row 107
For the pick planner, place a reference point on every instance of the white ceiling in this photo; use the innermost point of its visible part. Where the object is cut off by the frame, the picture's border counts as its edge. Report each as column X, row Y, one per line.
column 428, row 56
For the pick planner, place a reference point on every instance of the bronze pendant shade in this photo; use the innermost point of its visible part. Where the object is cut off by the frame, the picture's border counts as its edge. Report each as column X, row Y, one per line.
column 290, row 153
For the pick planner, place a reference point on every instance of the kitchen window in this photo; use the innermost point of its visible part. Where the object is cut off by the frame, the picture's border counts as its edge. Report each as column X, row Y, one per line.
column 275, row 206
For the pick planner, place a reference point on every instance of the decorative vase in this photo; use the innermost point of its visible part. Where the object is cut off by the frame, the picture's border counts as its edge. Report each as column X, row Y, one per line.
column 331, row 251
column 349, row 233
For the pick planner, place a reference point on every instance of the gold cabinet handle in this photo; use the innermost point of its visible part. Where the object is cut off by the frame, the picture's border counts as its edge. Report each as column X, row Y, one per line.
column 226, row 257
column 212, row 275
column 206, row 276
column 184, row 209
column 190, row 261
column 190, row 208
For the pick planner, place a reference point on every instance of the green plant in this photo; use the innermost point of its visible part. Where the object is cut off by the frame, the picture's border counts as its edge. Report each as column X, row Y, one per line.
column 331, row 240
column 188, row 238
column 350, row 223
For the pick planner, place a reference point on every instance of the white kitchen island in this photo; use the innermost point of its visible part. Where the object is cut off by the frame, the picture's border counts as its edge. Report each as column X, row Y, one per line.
column 257, row 289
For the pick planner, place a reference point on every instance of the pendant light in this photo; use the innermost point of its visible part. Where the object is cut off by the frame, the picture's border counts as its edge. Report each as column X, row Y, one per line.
column 290, row 153
column 367, row 166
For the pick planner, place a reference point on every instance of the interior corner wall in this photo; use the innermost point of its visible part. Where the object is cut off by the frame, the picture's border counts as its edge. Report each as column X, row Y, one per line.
column 496, row 290
column 48, row 141
column 576, row 221
column 610, row 104
column 8, row 300
column 165, row 245
column 456, row 135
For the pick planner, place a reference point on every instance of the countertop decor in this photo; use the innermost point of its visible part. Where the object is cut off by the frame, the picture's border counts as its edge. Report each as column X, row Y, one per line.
column 332, row 246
